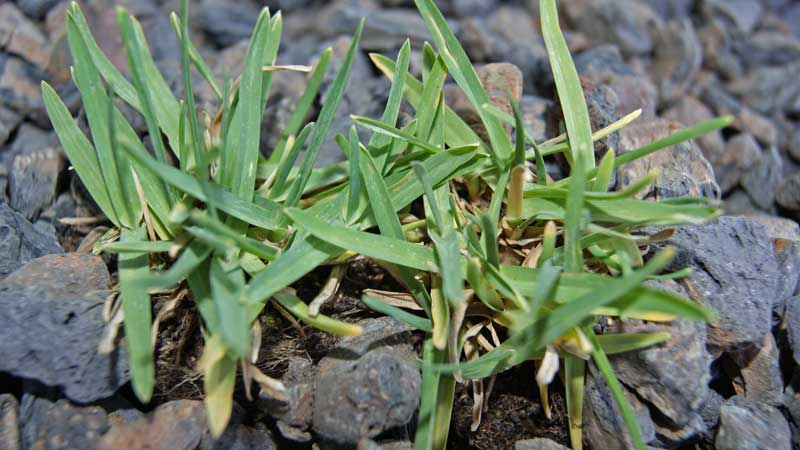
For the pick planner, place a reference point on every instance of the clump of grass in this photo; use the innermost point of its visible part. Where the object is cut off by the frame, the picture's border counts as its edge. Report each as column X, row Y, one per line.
column 506, row 266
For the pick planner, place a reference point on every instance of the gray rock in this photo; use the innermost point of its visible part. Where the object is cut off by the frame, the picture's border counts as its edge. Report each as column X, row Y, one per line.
column 761, row 183
column 20, row 242
column 677, row 60
column 603, row 424
column 747, row 425
column 788, row 195
column 602, row 103
column 769, row 89
column 465, row 8
column 384, row 29
column 8, row 123
column 9, row 423
column 674, row 9
column 603, row 64
column 710, row 412
column 673, row 376
column 60, row 425
column 793, row 143
column 735, row 273
column 738, row 203
column 534, row 111
column 293, row 416
column 768, row 48
column 19, row 86
column 741, row 153
column 690, row 111
column 714, row 94
column 719, row 49
column 34, row 180
column 36, row 9
column 785, row 236
column 53, row 324
column 744, row 14
column 683, row 171
column 369, row 444
column 21, row 37
column 760, row 374
column 367, row 385
column 625, row 23
column 538, row 444
column 228, row 22
column 793, row 326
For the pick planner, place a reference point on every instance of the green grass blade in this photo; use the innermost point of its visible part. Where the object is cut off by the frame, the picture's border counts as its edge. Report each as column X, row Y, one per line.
column 415, row 321
column 392, row 110
column 198, row 61
column 324, row 120
column 247, row 244
column 97, row 107
column 227, row 284
column 457, row 132
column 604, row 172
column 354, row 185
column 628, row 416
column 576, row 118
column 197, row 142
column 138, row 315
column 296, row 306
column 238, row 160
column 138, row 247
column 462, row 71
column 626, row 342
column 79, row 150
column 574, row 375
column 287, row 162
column 371, row 245
column 302, row 107
column 262, row 214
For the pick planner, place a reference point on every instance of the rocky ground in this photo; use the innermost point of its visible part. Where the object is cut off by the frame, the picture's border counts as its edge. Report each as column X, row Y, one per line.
column 732, row 384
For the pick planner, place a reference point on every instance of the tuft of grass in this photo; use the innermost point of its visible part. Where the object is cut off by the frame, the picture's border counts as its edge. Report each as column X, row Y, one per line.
column 506, row 266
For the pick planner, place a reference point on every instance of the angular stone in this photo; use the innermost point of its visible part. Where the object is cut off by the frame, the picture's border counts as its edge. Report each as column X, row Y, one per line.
column 678, row 57
column 744, row 14
column 741, row 153
column 793, row 327
column 53, row 324
column 60, row 425
column 19, row 85
column 177, row 425
column 683, row 171
column 603, row 64
column 690, row 111
column 8, row 123
column 20, row 242
column 603, row 424
column 21, row 37
column 36, row 9
column 788, row 195
column 499, row 78
column 9, row 423
column 533, row 111
column 367, row 384
column 769, row 89
column 746, row 425
column 672, row 376
column 34, row 180
column 228, row 22
column 293, row 416
column 538, row 444
column 735, row 273
column 763, row 181
column 760, row 373
column 626, row 23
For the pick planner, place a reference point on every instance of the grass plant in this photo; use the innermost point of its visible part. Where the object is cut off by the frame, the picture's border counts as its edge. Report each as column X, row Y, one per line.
column 502, row 266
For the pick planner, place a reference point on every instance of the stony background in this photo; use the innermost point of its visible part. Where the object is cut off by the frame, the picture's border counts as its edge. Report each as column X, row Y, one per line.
column 730, row 385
